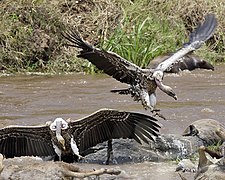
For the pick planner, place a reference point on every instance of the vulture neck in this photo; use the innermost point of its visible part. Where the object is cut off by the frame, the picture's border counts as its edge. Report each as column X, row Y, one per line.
column 59, row 137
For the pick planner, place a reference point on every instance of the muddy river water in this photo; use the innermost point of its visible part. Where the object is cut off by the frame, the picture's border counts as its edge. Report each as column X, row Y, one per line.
column 35, row 99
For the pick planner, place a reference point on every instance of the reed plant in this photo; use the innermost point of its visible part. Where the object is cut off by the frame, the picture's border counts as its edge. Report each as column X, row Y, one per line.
column 140, row 40
column 151, row 28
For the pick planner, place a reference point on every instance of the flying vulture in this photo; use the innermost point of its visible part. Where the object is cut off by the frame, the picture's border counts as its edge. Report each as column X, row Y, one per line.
column 69, row 140
column 143, row 82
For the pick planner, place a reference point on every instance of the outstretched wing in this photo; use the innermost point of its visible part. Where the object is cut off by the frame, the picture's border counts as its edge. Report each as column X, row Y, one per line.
column 107, row 124
column 25, row 141
column 201, row 34
column 189, row 62
column 111, row 63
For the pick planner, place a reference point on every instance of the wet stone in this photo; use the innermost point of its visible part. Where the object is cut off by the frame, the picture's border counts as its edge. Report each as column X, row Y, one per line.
column 166, row 147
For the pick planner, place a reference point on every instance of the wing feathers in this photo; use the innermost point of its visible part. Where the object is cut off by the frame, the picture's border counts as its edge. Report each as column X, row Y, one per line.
column 202, row 33
column 147, row 123
column 143, row 134
column 147, row 131
column 111, row 63
column 77, row 41
column 136, row 138
column 112, row 124
column 25, row 141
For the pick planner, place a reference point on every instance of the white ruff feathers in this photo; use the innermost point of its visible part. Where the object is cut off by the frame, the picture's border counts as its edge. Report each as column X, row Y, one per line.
column 75, row 148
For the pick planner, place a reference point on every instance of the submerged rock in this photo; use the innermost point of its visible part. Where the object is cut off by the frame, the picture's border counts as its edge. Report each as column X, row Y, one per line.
column 166, row 147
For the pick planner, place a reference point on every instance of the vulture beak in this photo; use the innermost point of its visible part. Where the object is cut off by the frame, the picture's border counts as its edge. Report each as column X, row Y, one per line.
column 166, row 89
column 59, row 137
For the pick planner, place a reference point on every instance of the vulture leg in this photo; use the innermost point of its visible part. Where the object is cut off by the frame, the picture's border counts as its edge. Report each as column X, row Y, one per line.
column 203, row 161
column 155, row 112
column 58, row 152
column 109, row 152
column 152, row 99
column 147, row 101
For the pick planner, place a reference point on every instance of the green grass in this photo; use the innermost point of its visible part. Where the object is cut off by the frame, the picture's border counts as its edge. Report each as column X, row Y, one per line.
column 139, row 30
column 152, row 28
column 144, row 38
column 216, row 146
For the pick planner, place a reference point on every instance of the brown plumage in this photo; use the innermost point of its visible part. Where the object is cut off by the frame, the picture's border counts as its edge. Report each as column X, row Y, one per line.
column 61, row 138
column 143, row 82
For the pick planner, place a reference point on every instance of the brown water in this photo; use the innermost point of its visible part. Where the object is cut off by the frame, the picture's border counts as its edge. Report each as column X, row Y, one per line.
column 33, row 99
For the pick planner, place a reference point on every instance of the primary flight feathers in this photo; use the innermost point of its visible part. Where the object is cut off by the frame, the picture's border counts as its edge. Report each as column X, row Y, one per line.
column 204, row 31
column 201, row 34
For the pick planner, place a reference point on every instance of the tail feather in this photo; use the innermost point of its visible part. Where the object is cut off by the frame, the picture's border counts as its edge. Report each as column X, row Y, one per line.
column 121, row 91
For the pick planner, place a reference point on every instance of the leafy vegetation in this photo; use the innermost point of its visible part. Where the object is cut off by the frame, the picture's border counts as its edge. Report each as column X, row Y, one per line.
column 152, row 28
column 138, row 30
column 30, row 32
column 216, row 146
column 144, row 38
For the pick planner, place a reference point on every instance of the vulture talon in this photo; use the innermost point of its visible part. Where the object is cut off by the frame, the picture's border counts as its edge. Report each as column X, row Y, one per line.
column 156, row 112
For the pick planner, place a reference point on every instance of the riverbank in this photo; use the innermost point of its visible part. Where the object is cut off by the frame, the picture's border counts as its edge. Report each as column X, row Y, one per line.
column 31, row 40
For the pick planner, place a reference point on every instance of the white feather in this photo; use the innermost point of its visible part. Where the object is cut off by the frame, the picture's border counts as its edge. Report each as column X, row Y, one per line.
column 74, row 147
column 174, row 58
column 57, row 151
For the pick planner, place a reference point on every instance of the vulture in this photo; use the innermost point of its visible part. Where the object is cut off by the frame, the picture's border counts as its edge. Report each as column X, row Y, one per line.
column 142, row 82
column 69, row 140
column 188, row 62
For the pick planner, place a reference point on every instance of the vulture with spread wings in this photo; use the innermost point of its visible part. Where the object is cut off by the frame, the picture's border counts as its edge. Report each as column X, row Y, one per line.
column 69, row 140
column 143, row 82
